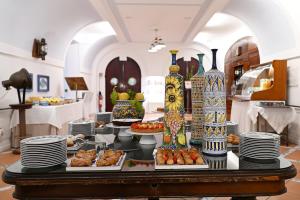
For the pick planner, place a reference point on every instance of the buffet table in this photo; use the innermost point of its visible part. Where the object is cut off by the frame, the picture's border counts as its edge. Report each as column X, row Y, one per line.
column 236, row 177
column 278, row 117
column 42, row 120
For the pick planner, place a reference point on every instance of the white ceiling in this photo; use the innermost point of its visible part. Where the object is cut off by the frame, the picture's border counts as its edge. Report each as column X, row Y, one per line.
column 176, row 20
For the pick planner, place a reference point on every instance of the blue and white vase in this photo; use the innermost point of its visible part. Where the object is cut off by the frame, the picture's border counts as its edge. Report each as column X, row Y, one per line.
column 197, row 103
column 215, row 130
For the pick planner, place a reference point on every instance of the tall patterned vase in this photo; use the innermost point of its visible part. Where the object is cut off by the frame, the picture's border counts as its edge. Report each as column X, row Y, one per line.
column 197, row 104
column 174, row 133
column 215, row 133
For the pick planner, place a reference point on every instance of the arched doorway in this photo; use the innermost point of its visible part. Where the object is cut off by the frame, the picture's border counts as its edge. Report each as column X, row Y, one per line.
column 123, row 74
column 239, row 57
column 187, row 70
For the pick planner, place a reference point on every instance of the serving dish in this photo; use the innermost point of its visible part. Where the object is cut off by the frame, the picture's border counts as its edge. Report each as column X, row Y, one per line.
column 177, row 166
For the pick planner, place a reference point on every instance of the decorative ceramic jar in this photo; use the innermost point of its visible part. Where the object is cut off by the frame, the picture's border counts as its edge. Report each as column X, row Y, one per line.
column 124, row 110
column 197, row 103
column 215, row 130
column 174, row 134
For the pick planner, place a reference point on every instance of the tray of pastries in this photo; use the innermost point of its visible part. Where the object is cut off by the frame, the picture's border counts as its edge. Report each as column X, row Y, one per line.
column 154, row 127
column 179, row 159
column 88, row 160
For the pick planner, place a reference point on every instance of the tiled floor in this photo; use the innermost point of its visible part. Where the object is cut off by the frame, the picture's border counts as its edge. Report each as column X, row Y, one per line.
column 293, row 186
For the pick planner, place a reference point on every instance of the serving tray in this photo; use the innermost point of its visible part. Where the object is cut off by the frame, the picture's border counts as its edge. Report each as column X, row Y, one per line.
column 116, row 167
column 175, row 166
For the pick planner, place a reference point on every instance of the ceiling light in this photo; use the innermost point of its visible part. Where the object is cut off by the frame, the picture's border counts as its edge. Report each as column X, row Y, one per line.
column 157, row 43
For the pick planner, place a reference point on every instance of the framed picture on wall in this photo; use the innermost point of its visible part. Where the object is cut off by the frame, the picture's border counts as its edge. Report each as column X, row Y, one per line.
column 43, row 83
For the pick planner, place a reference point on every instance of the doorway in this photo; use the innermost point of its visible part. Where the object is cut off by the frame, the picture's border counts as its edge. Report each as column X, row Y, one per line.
column 123, row 74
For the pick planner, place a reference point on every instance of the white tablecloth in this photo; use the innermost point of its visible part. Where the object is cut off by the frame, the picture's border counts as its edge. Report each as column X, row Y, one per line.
column 53, row 115
column 245, row 114
column 278, row 118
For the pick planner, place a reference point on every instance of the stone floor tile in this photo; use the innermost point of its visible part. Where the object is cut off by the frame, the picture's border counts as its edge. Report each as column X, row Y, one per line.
column 294, row 155
column 7, row 194
column 7, row 158
column 283, row 150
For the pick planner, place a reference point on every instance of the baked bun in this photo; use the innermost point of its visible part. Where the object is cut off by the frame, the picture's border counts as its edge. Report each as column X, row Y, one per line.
column 70, row 142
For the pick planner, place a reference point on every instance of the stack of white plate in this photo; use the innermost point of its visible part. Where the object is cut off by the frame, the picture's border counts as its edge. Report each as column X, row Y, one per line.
column 85, row 127
column 260, row 145
column 43, row 151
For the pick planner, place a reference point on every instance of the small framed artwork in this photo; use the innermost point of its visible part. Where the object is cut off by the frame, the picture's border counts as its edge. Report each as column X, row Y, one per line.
column 43, row 83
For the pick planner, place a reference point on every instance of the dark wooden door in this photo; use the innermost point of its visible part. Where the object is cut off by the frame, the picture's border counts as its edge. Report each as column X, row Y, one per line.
column 119, row 72
column 188, row 69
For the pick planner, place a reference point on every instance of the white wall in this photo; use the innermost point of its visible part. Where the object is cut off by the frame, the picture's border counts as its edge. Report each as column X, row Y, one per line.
column 10, row 64
column 56, row 20
column 21, row 22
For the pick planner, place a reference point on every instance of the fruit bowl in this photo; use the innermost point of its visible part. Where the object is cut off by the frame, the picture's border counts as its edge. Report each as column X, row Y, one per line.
column 124, row 110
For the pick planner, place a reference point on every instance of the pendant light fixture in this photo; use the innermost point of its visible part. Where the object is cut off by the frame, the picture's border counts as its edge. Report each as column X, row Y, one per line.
column 157, row 43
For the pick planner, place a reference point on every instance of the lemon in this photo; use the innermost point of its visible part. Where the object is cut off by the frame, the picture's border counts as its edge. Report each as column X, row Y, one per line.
column 181, row 139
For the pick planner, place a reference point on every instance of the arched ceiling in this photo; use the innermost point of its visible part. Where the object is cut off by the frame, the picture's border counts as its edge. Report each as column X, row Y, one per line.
column 133, row 20
column 56, row 20
column 269, row 22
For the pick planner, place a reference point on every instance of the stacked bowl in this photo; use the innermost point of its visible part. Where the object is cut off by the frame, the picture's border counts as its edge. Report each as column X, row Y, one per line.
column 260, row 145
column 43, row 151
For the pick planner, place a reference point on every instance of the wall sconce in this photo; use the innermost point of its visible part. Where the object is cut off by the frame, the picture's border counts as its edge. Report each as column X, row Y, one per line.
column 39, row 49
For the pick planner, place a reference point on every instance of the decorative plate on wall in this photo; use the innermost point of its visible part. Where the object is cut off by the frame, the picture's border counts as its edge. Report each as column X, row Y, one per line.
column 131, row 81
column 114, row 81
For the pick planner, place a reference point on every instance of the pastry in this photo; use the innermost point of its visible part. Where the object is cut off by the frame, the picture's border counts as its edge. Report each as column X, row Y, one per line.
column 70, row 142
column 89, row 154
column 179, row 157
column 80, row 162
column 109, row 157
column 147, row 127
column 99, row 124
column 233, row 139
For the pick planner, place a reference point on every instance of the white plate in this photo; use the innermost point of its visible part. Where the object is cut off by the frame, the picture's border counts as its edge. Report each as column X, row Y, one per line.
column 261, row 158
column 138, row 133
column 39, row 163
column 42, row 165
column 260, row 135
column 261, row 155
column 126, row 120
column 116, row 167
column 260, row 148
column 44, row 148
column 110, row 125
column 43, row 139
column 44, row 155
column 34, row 158
column 42, row 161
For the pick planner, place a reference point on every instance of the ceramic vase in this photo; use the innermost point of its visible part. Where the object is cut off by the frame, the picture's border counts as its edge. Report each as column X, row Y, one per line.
column 174, row 133
column 197, row 104
column 215, row 130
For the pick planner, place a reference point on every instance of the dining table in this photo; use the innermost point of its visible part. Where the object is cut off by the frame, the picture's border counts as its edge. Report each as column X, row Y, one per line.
column 228, row 175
